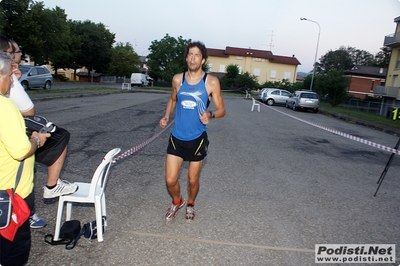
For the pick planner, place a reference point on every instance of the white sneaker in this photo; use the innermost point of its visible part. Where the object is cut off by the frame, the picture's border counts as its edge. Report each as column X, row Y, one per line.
column 62, row 188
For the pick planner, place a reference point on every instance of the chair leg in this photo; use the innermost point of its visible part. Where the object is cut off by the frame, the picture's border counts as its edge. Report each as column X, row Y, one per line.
column 103, row 208
column 97, row 206
column 69, row 211
column 59, row 218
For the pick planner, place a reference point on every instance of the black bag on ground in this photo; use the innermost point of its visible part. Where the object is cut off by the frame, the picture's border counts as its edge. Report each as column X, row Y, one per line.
column 69, row 232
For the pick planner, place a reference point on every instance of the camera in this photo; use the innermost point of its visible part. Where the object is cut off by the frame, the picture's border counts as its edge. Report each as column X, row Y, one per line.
column 49, row 128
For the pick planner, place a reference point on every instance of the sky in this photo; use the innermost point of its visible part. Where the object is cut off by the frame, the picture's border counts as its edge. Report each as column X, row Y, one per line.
column 272, row 25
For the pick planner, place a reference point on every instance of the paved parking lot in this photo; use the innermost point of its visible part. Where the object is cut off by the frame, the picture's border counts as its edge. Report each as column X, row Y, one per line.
column 272, row 186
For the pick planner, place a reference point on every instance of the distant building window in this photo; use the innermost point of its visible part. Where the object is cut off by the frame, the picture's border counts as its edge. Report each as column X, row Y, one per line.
column 222, row 68
column 239, row 57
column 256, row 72
column 286, row 75
column 240, row 69
column 257, row 59
column 398, row 62
column 273, row 74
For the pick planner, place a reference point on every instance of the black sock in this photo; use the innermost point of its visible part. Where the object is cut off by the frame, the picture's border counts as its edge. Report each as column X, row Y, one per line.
column 51, row 187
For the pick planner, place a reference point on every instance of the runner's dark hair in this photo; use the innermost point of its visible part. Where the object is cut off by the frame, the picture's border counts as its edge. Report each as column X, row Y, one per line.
column 199, row 45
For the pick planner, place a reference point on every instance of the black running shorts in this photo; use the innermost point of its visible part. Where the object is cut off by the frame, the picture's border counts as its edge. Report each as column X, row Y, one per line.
column 53, row 147
column 192, row 150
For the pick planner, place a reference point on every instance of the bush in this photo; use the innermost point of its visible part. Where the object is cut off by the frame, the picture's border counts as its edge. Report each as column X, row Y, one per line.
column 61, row 78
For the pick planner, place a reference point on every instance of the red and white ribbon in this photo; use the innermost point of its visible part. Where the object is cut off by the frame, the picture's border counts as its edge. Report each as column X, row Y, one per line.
column 141, row 145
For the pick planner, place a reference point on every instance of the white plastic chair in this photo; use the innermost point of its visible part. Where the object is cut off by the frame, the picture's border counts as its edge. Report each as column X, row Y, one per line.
column 126, row 86
column 255, row 104
column 93, row 192
column 248, row 95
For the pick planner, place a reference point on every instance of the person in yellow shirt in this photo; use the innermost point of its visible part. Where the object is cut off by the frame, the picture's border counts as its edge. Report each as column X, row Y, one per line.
column 15, row 147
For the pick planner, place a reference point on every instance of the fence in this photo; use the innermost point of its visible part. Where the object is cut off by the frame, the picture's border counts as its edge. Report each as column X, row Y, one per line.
column 115, row 79
column 363, row 106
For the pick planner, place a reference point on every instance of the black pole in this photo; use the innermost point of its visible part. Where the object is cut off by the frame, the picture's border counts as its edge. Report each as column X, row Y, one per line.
column 386, row 168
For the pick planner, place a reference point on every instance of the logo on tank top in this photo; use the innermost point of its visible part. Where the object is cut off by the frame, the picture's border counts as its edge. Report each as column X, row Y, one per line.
column 187, row 104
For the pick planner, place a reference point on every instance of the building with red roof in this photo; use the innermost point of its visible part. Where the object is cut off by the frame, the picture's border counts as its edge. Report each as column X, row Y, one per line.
column 263, row 64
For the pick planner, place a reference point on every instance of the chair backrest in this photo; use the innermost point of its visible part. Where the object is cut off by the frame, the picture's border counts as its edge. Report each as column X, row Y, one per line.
column 100, row 176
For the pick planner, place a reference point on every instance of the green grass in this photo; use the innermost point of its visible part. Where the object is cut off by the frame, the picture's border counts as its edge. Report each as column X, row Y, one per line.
column 361, row 115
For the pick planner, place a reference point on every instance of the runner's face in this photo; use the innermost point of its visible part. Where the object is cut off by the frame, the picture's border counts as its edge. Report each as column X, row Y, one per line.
column 194, row 59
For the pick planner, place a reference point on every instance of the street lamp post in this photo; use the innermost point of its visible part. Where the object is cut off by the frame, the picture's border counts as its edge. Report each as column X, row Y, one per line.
column 316, row 52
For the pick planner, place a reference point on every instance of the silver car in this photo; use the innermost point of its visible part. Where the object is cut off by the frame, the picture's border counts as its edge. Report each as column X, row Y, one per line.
column 35, row 77
column 262, row 91
column 275, row 96
column 303, row 100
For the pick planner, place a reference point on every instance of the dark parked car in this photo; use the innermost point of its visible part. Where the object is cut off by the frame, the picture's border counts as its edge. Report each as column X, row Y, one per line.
column 35, row 77
column 303, row 100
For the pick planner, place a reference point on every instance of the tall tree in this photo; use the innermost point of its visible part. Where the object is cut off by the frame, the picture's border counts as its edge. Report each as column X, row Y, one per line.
column 166, row 57
column 14, row 15
column 335, row 60
column 360, row 57
column 124, row 60
column 232, row 72
column 96, row 45
column 382, row 58
column 334, row 84
column 21, row 23
column 56, row 32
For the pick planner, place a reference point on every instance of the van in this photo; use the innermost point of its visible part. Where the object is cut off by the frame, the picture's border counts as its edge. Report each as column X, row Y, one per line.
column 139, row 79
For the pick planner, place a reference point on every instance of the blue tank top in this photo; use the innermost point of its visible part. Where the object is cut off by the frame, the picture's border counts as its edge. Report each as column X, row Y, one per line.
column 192, row 100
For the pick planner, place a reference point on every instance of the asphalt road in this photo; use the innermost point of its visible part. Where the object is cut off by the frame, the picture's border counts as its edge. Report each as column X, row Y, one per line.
column 273, row 185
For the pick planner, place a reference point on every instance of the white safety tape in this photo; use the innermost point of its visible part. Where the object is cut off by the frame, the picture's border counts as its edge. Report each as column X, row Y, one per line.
column 337, row 132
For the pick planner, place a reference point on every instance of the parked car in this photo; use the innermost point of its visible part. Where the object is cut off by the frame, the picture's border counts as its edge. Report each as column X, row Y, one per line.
column 262, row 91
column 35, row 77
column 303, row 100
column 275, row 96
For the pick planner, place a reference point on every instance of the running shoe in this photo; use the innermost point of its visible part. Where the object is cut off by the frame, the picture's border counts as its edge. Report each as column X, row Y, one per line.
column 35, row 222
column 62, row 188
column 190, row 213
column 173, row 210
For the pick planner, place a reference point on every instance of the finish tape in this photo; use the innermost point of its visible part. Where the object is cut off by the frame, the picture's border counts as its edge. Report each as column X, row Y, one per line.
column 141, row 145
column 337, row 132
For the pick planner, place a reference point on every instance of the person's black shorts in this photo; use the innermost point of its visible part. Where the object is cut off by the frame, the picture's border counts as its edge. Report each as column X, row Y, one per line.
column 192, row 150
column 53, row 147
